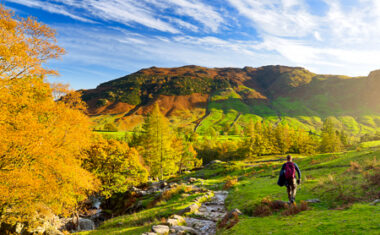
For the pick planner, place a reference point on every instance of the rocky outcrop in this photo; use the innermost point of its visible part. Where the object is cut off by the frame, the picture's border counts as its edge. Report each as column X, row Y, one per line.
column 160, row 229
column 208, row 210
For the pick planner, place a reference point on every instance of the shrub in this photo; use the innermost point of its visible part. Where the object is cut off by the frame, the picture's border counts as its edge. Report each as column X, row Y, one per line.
column 354, row 167
column 230, row 182
column 372, row 164
column 265, row 208
column 110, row 127
column 262, row 210
column 116, row 165
column 169, row 193
column 295, row 209
column 229, row 220
column 101, row 102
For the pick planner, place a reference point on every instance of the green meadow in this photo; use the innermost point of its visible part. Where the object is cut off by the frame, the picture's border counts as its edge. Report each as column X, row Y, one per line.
column 345, row 183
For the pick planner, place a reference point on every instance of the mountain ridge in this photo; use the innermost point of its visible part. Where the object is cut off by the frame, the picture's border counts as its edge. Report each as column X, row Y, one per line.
column 268, row 92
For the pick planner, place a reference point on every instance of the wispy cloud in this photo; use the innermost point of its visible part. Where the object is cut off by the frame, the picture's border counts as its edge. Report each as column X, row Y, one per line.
column 131, row 34
column 149, row 13
column 52, row 8
column 125, row 52
column 199, row 11
column 277, row 17
column 342, row 40
column 126, row 12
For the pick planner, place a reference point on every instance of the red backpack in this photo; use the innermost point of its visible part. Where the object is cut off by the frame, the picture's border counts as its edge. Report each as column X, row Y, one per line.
column 290, row 170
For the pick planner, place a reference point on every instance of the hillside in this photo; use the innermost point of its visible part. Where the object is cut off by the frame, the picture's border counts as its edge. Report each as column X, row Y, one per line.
column 341, row 189
column 198, row 97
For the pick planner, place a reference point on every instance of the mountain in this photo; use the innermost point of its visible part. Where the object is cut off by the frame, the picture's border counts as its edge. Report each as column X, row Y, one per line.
column 200, row 97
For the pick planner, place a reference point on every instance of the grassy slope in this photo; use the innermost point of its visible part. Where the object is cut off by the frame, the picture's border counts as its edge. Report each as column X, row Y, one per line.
column 258, row 180
column 321, row 219
column 300, row 97
column 225, row 105
column 306, row 114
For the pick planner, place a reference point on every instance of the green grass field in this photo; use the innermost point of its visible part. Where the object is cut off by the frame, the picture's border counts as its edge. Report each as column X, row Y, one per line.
column 370, row 144
column 342, row 181
column 324, row 177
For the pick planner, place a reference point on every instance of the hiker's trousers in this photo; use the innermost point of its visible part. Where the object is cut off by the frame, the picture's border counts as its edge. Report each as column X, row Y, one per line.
column 292, row 189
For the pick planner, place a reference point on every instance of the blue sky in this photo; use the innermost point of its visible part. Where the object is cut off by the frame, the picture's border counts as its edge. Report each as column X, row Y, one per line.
column 107, row 39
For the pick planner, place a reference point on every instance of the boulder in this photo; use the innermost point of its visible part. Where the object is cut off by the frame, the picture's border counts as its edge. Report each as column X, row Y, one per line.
column 374, row 203
column 83, row 224
column 160, row 229
column 315, row 200
column 143, row 193
column 134, row 189
column 190, row 209
column 176, row 220
column 237, row 211
column 86, row 224
column 19, row 227
column 214, row 162
column 203, row 226
column 185, row 230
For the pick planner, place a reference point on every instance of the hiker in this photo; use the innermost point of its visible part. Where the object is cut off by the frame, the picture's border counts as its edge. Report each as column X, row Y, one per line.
column 288, row 178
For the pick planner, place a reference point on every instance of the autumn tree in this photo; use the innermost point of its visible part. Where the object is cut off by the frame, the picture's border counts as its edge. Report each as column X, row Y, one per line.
column 283, row 135
column 116, row 165
column 330, row 139
column 41, row 143
column 41, row 140
column 24, row 45
column 156, row 141
column 187, row 159
column 303, row 142
column 263, row 138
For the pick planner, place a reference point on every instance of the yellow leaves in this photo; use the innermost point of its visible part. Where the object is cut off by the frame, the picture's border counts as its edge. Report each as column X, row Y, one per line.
column 41, row 141
column 24, row 45
column 116, row 165
column 41, row 147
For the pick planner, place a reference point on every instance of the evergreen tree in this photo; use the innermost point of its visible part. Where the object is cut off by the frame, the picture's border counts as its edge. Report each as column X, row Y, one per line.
column 250, row 129
column 330, row 140
column 157, row 143
column 188, row 159
column 343, row 138
column 303, row 142
column 283, row 138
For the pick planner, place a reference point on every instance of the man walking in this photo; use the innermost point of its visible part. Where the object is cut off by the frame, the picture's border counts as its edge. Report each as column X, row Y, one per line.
column 288, row 177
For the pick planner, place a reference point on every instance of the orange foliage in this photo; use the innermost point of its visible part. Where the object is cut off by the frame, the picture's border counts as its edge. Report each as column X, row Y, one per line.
column 41, row 141
column 41, row 147
column 230, row 182
column 24, row 45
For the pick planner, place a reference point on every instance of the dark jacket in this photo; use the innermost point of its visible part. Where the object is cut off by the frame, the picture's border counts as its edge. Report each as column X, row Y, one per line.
column 281, row 179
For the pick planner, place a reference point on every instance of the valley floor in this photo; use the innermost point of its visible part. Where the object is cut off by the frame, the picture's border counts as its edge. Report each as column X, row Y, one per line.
column 345, row 183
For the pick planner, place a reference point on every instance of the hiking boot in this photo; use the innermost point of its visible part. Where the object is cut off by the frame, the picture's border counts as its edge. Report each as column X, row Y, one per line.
column 293, row 201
